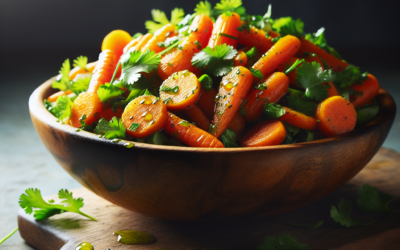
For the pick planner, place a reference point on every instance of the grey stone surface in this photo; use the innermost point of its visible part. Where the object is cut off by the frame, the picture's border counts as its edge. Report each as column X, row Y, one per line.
column 24, row 161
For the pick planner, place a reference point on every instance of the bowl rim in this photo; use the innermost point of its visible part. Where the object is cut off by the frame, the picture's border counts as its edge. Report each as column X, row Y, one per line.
column 387, row 111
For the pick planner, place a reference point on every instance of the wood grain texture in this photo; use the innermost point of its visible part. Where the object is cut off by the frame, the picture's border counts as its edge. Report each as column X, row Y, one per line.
column 66, row 231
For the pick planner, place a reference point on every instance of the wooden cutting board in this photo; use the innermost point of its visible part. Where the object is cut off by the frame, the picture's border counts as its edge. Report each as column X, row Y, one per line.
column 66, row 231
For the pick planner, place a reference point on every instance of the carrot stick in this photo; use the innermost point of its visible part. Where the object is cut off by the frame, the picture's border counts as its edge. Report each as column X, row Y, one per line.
column 240, row 59
column 109, row 113
column 267, row 133
column 115, row 41
column 180, row 91
column 256, row 38
column 88, row 104
column 224, row 30
column 103, row 71
column 276, row 87
column 196, row 115
column 180, row 59
column 232, row 91
column 365, row 92
column 298, row 119
column 237, row 124
column 144, row 115
column 336, row 116
column 78, row 70
column 159, row 36
column 54, row 97
column 332, row 61
column 277, row 55
column 190, row 134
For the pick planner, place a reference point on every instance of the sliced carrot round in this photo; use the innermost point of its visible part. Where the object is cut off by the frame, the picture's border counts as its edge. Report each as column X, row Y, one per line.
column 298, row 119
column 109, row 113
column 266, row 133
column 116, row 40
column 89, row 104
column 180, row 91
column 144, row 115
column 336, row 116
column 240, row 59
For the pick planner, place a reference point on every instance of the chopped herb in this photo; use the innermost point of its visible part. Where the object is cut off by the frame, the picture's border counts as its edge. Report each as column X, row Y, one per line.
column 251, row 52
column 273, row 111
column 275, row 39
column 229, row 138
column 167, row 100
column 371, row 202
column 206, row 82
column 287, row 26
column 165, row 88
column 160, row 19
column 294, row 65
column 229, row 36
column 257, row 73
column 112, row 129
column 342, row 214
column 81, row 62
column 108, row 91
column 349, row 76
column 84, row 126
column 134, row 126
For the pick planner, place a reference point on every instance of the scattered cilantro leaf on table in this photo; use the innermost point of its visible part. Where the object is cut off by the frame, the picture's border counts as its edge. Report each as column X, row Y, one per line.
column 371, row 202
column 287, row 26
column 285, row 241
column 160, row 19
column 229, row 138
column 319, row 223
column 112, row 129
column 81, row 62
column 342, row 214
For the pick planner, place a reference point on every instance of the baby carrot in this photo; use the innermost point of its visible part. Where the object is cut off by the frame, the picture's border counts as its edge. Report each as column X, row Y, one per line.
column 144, row 115
column 267, row 133
column 115, row 41
column 275, row 86
column 332, row 61
column 54, row 97
column 138, row 43
column 190, row 134
column 109, row 113
column 233, row 89
column 180, row 91
column 180, row 59
column 237, row 124
column 256, row 38
column 196, row 115
column 103, row 71
column 132, row 43
column 298, row 119
column 224, row 30
column 277, row 55
column 365, row 92
column 88, row 104
column 336, row 116
column 240, row 59
column 159, row 36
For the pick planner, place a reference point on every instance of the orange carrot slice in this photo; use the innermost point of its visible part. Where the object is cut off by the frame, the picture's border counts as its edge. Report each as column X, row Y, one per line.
column 256, row 38
column 224, row 30
column 190, row 134
column 115, row 41
column 267, row 133
column 196, row 115
column 89, row 104
column 298, row 119
column 336, row 116
column 144, row 115
column 365, row 92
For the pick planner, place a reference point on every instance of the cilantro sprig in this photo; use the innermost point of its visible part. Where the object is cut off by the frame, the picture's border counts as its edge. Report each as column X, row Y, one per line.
column 371, row 201
column 220, row 8
column 273, row 111
column 349, row 76
column 319, row 39
column 342, row 214
column 108, row 91
column 229, row 138
column 160, row 19
column 285, row 241
column 287, row 26
column 112, row 129
column 62, row 109
column 81, row 62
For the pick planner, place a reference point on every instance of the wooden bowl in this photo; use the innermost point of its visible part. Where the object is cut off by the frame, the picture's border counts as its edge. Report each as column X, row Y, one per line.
column 200, row 184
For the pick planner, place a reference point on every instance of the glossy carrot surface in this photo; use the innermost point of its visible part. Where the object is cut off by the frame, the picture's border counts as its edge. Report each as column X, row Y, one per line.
column 116, row 41
column 196, row 115
column 103, row 71
column 298, row 119
column 88, row 104
column 256, row 38
column 224, row 28
column 267, row 133
column 363, row 93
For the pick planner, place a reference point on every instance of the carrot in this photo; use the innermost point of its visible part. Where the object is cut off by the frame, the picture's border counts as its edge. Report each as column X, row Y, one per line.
column 109, row 113
column 224, row 30
column 180, row 91
column 115, row 41
column 144, row 115
column 88, row 104
column 256, row 38
column 298, row 119
column 240, row 59
column 103, row 71
column 232, row 91
column 332, row 61
column 276, row 86
column 159, row 36
column 78, row 70
column 54, row 97
column 132, row 43
column 237, row 124
column 143, row 40
column 180, row 59
column 332, row 90
column 267, row 133
column 277, row 55
column 365, row 92
column 336, row 116
column 196, row 115
column 190, row 134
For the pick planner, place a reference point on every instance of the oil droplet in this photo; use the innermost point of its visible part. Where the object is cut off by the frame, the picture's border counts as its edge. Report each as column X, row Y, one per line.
column 175, row 76
column 84, row 246
column 148, row 117
column 129, row 145
column 131, row 237
column 147, row 101
column 115, row 140
column 184, row 123
column 186, row 73
column 228, row 86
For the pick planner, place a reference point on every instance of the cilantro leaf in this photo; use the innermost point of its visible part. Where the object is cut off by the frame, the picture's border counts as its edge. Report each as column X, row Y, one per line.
column 301, row 105
column 257, row 73
column 206, row 82
column 285, row 241
column 64, row 107
column 160, row 19
column 134, row 126
column 318, row 39
column 112, row 129
column 229, row 138
column 287, row 26
column 319, row 223
column 273, row 111
column 80, row 85
column 108, row 91
column 203, row 8
column 165, row 88
column 342, row 214
column 63, row 83
column 349, row 76
column 294, row 65
column 52, row 108
column 291, row 129
column 229, row 5
column 81, row 62
column 371, row 202
column 158, row 138
column 218, row 62
column 33, row 202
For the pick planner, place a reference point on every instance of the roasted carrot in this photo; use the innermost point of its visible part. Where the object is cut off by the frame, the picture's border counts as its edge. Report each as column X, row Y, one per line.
column 180, row 91
column 109, row 113
column 78, row 70
column 103, row 71
column 159, row 36
column 233, row 89
column 365, row 92
column 240, row 59
column 132, row 43
column 224, row 30
column 332, row 90
column 138, row 44
column 180, row 59
column 298, row 119
column 275, row 86
column 267, row 133
column 332, row 61
column 88, row 104
column 335, row 116
column 277, row 55
column 144, row 115
column 190, row 134
column 256, row 38
column 115, row 41
column 237, row 124
column 54, row 97
column 196, row 115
